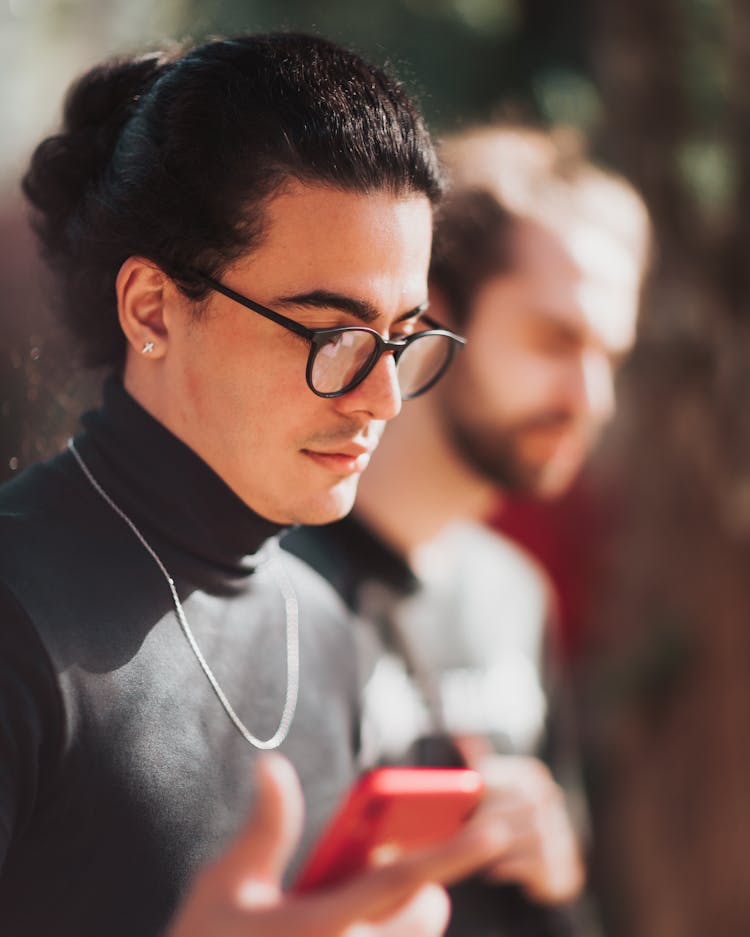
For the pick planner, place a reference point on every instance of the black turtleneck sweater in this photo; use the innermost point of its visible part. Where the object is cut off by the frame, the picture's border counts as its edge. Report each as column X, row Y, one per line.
column 120, row 772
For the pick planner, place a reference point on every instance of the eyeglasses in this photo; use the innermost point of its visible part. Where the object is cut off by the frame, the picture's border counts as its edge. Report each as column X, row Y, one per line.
column 341, row 358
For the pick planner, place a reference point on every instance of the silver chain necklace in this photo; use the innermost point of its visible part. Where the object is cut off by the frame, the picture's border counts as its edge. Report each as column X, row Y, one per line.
column 291, row 607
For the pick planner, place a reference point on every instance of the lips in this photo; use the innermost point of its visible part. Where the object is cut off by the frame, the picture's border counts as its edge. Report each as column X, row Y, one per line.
column 346, row 460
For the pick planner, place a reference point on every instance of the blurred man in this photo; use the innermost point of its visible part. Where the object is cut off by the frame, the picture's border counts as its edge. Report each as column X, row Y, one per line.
column 538, row 259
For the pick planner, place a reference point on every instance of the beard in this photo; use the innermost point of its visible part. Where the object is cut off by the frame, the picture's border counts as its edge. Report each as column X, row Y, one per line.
column 501, row 455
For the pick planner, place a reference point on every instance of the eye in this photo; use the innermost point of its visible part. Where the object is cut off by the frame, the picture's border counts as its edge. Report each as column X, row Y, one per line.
column 408, row 327
column 557, row 340
column 335, row 343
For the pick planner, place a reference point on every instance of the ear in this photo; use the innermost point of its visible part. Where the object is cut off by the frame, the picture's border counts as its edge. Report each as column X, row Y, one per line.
column 143, row 291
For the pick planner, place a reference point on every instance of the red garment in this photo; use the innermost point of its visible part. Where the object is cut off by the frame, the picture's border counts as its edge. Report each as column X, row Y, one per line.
column 565, row 535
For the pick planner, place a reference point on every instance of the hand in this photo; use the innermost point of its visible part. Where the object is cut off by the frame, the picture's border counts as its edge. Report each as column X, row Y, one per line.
column 240, row 894
column 544, row 855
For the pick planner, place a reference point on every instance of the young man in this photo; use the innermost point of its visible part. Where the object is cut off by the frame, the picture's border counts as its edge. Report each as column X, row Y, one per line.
column 537, row 258
column 241, row 234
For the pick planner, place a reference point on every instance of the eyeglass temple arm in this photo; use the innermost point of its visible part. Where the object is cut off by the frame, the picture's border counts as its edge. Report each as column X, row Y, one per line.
column 257, row 307
column 438, row 326
column 302, row 330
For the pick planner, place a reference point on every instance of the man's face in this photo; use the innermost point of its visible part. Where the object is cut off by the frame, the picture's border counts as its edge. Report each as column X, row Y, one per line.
column 236, row 382
column 529, row 394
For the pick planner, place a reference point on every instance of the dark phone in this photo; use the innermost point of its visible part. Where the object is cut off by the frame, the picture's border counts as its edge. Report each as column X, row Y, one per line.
column 389, row 811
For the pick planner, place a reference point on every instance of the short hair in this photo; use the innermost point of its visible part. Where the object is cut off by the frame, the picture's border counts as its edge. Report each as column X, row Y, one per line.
column 502, row 175
column 174, row 155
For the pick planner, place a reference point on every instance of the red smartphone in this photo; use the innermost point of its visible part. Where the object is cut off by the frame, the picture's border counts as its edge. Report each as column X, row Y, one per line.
column 387, row 812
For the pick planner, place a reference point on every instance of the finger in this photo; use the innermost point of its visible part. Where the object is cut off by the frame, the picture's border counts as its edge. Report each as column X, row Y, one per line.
column 543, row 808
column 548, row 881
column 473, row 749
column 544, row 837
column 424, row 915
column 530, row 828
column 527, row 777
column 256, row 860
column 515, row 811
column 544, row 883
column 520, row 865
column 381, row 890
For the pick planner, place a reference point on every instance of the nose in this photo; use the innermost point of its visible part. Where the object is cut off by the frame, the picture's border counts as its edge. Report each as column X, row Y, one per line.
column 598, row 385
column 379, row 395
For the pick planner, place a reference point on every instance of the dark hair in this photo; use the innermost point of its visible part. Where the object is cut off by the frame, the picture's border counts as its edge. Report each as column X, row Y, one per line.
column 472, row 241
column 172, row 156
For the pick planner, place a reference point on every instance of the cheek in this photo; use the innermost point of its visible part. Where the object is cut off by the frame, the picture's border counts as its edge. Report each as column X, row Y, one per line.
column 232, row 383
column 221, row 394
column 509, row 381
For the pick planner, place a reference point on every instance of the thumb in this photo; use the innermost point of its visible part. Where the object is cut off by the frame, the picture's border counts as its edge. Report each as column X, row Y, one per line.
column 473, row 749
column 257, row 858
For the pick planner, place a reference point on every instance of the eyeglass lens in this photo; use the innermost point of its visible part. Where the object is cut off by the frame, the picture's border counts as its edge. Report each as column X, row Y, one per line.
column 341, row 359
column 421, row 362
column 345, row 357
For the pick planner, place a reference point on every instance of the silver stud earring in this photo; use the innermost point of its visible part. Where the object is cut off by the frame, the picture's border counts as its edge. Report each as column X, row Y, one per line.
column 148, row 347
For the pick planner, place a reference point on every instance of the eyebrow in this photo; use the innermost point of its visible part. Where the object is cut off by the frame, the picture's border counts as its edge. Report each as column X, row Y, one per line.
column 359, row 308
column 578, row 333
column 546, row 318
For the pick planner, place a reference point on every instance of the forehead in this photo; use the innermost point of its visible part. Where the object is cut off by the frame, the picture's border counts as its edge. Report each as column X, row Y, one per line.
column 371, row 246
column 581, row 277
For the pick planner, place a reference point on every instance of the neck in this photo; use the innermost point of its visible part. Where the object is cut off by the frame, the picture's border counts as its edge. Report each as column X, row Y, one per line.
column 416, row 484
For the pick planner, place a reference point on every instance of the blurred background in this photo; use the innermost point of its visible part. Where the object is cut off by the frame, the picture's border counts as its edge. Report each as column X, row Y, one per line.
column 651, row 551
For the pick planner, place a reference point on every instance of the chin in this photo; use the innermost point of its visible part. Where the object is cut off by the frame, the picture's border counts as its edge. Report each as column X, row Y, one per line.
column 556, row 480
column 336, row 503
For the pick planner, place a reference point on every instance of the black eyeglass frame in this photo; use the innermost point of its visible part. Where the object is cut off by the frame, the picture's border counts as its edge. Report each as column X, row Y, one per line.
column 318, row 338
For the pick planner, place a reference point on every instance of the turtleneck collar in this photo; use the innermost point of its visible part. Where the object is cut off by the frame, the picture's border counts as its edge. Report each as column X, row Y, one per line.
column 167, row 489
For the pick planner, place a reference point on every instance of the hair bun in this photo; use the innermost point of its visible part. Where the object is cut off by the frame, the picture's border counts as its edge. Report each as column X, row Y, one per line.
column 66, row 166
